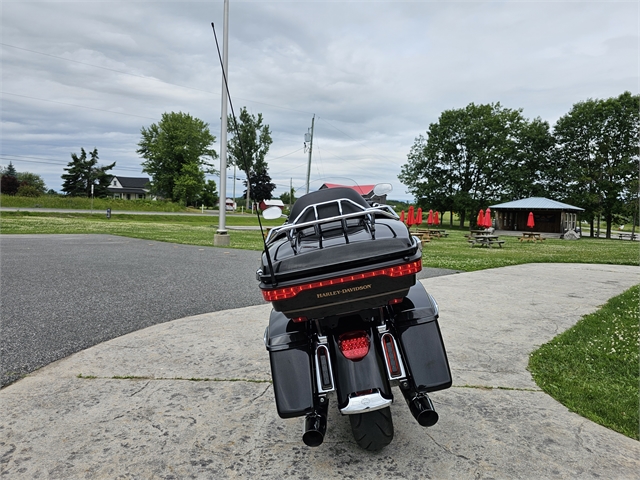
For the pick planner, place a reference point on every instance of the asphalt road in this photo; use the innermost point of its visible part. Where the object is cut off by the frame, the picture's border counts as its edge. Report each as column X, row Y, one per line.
column 60, row 294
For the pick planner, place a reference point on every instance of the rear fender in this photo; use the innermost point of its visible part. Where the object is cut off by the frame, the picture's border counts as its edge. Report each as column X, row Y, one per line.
column 356, row 377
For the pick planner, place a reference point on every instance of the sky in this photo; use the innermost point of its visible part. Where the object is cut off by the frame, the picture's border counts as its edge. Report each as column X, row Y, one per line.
column 91, row 74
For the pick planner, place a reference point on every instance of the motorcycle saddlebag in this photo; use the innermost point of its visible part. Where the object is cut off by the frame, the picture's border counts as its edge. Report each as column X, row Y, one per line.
column 290, row 360
column 420, row 338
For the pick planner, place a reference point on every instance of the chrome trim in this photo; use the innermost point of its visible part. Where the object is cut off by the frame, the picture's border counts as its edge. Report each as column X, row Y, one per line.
column 435, row 304
column 365, row 403
column 318, row 378
column 266, row 334
column 370, row 212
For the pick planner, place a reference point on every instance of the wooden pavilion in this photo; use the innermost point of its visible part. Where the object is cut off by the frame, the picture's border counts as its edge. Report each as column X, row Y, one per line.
column 549, row 215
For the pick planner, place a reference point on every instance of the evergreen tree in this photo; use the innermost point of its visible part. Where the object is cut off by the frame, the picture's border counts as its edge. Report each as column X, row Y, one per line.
column 83, row 172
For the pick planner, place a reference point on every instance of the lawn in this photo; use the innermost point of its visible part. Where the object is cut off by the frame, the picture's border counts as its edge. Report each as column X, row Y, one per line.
column 592, row 368
column 452, row 252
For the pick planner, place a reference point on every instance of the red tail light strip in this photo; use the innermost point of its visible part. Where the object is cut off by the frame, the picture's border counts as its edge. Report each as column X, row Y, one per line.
column 289, row 292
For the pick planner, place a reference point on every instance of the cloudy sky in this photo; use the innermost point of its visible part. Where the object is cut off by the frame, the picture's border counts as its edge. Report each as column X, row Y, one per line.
column 375, row 74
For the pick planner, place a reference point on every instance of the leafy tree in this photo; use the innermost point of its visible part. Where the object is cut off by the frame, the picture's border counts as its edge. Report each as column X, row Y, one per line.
column 248, row 146
column 209, row 196
column 597, row 148
column 288, row 198
column 34, row 181
column 9, row 185
column 260, row 186
column 83, row 172
column 177, row 151
column 476, row 155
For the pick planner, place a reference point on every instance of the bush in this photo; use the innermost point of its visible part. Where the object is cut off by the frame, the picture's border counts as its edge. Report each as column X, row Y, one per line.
column 28, row 191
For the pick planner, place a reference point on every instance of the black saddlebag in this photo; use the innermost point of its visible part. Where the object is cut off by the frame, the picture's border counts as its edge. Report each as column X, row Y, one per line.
column 417, row 326
column 290, row 358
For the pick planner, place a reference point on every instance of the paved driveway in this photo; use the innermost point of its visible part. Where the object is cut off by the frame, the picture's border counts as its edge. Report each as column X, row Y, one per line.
column 61, row 294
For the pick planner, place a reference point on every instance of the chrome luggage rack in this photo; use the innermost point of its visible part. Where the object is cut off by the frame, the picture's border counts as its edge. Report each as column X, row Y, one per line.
column 368, row 214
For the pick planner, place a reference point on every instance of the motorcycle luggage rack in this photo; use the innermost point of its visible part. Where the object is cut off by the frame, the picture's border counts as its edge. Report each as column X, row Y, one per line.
column 293, row 229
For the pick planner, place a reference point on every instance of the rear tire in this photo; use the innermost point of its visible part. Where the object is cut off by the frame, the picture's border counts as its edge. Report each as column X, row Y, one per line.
column 372, row 430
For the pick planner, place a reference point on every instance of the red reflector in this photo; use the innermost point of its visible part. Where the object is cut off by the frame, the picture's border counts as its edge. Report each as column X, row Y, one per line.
column 285, row 293
column 299, row 319
column 393, row 301
column 354, row 345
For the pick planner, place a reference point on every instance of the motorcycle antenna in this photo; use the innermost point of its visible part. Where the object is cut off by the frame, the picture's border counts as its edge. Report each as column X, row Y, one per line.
column 244, row 156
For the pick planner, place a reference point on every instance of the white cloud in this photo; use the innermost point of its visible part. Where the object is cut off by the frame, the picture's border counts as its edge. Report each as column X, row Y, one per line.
column 374, row 73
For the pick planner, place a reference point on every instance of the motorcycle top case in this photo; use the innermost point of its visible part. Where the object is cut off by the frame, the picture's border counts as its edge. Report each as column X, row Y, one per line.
column 340, row 266
column 290, row 359
column 416, row 322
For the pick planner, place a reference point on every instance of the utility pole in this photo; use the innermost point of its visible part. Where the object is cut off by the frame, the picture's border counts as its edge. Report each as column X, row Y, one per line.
column 310, row 137
column 221, row 238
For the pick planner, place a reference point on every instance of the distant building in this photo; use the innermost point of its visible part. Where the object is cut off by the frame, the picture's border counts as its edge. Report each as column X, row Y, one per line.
column 230, row 204
column 271, row 203
column 549, row 215
column 365, row 190
column 129, row 188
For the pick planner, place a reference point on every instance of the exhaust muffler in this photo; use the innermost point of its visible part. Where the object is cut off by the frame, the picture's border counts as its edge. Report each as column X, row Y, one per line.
column 421, row 408
column 315, row 426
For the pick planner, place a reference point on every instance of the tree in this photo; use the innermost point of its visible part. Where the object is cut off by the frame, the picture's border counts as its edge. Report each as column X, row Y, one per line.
column 33, row 181
column 209, row 196
column 597, row 148
column 177, row 151
column 248, row 146
column 476, row 155
column 260, row 186
column 289, row 198
column 9, row 183
column 10, row 170
column 83, row 173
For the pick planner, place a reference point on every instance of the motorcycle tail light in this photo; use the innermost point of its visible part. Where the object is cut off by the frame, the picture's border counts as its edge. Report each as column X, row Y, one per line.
column 285, row 293
column 299, row 319
column 354, row 345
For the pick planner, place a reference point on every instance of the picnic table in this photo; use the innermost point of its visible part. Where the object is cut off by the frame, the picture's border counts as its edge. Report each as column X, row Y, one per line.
column 433, row 232
column 531, row 237
column 630, row 236
column 422, row 235
column 487, row 240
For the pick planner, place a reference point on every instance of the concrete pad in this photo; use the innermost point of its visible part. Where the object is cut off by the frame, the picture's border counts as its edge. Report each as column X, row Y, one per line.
column 192, row 398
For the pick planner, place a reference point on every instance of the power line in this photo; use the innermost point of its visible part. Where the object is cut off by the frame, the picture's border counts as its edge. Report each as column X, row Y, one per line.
column 78, row 106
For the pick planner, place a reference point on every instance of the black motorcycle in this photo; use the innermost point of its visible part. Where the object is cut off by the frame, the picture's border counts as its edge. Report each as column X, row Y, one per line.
column 349, row 317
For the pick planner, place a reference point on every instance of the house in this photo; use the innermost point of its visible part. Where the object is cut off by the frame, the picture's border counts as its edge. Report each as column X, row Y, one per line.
column 129, row 188
column 549, row 215
column 230, row 205
column 271, row 203
column 365, row 190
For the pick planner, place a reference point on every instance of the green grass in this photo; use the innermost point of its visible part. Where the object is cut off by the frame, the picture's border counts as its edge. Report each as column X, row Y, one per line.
column 454, row 252
column 61, row 201
column 592, row 368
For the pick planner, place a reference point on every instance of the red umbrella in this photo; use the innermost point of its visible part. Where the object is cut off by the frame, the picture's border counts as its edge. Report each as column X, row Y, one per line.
column 530, row 222
column 487, row 218
column 410, row 218
column 436, row 219
column 402, row 216
column 419, row 216
column 480, row 220
column 430, row 217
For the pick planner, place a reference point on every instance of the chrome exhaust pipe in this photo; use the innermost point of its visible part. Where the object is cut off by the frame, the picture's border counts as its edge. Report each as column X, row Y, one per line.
column 421, row 408
column 315, row 426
